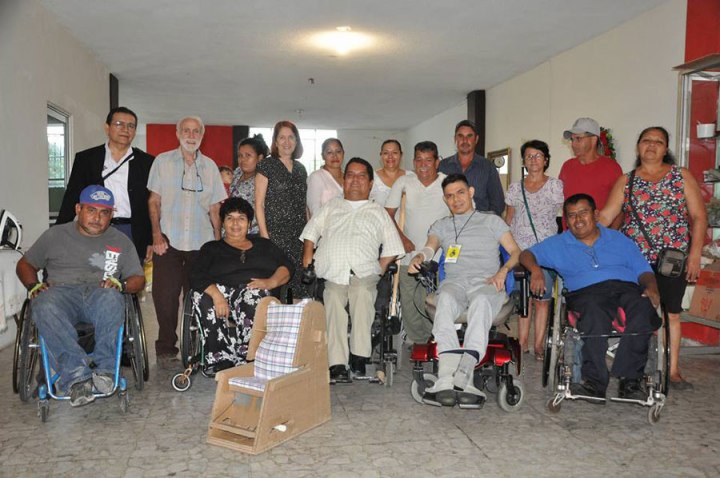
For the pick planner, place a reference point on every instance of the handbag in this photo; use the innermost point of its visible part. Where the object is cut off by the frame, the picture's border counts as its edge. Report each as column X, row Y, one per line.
column 670, row 260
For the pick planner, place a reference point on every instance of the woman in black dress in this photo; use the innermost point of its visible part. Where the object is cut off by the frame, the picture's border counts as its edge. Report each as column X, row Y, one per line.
column 280, row 193
column 229, row 278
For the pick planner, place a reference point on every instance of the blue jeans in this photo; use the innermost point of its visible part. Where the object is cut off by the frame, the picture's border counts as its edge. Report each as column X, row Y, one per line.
column 57, row 310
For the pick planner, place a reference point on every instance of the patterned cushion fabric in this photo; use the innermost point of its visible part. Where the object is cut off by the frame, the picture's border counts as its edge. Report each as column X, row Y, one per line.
column 276, row 351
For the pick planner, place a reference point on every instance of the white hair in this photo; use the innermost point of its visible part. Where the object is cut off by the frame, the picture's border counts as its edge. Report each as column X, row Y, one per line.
column 194, row 118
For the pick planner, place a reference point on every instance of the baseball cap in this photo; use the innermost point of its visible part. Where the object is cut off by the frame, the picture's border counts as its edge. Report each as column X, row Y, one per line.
column 98, row 196
column 583, row 125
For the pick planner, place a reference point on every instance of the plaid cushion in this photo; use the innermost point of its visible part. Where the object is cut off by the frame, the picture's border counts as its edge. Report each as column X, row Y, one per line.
column 276, row 351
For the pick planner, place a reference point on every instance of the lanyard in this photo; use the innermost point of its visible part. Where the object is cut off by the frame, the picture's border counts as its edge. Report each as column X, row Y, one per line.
column 457, row 234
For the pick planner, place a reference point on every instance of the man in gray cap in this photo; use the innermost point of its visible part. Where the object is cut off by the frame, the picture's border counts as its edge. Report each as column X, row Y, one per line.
column 589, row 172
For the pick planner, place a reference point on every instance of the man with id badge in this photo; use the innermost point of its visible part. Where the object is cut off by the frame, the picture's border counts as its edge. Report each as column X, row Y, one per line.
column 474, row 280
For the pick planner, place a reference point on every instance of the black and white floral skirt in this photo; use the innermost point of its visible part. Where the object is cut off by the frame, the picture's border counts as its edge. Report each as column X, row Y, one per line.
column 225, row 341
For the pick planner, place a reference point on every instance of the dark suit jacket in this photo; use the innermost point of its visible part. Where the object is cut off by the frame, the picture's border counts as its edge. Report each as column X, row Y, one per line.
column 87, row 170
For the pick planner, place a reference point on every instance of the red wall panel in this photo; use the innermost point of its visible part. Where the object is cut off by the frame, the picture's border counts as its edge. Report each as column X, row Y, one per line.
column 702, row 32
column 217, row 143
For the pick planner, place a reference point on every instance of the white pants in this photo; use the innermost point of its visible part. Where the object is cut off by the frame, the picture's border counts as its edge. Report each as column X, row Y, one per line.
column 361, row 294
column 482, row 301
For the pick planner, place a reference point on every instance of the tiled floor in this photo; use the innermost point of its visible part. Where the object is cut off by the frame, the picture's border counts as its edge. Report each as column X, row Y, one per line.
column 374, row 431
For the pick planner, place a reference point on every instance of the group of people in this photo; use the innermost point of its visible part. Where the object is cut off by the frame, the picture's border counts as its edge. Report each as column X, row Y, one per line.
column 350, row 222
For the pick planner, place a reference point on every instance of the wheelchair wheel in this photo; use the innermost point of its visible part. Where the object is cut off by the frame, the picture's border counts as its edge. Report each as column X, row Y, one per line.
column 28, row 360
column 134, row 342
column 44, row 410
column 663, row 358
column 124, row 401
column 654, row 414
column 19, row 319
column 189, row 333
column 553, row 405
column 418, row 389
column 143, row 340
column 552, row 349
column 181, row 382
column 511, row 402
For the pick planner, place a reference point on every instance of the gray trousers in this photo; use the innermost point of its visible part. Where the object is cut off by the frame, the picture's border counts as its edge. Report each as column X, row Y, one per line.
column 412, row 296
column 361, row 295
column 482, row 302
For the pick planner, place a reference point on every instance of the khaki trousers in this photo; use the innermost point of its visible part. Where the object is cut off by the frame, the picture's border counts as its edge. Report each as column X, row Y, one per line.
column 361, row 295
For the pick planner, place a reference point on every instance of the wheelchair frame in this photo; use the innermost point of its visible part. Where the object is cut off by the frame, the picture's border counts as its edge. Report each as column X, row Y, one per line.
column 493, row 372
column 192, row 347
column 558, row 366
column 387, row 324
column 30, row 351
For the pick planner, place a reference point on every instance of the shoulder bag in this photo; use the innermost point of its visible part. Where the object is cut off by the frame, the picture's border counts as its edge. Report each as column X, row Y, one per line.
column 670, row 261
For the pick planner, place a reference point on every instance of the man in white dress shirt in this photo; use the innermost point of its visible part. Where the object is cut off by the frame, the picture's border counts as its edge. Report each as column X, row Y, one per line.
column 356, row 241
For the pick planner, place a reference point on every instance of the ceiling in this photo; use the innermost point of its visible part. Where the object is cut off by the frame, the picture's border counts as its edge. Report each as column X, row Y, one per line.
column 250, row 61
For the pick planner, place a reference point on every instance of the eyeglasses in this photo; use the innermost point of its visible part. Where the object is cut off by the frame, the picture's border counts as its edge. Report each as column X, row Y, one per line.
column 535, row 157
column 123, row 125
column 593, row 257
column 194, row 189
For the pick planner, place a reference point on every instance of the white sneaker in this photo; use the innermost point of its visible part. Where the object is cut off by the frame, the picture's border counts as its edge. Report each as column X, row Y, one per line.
column 103, row 383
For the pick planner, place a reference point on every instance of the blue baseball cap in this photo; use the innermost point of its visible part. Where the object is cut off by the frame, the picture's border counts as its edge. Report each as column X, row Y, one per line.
column 98, row 196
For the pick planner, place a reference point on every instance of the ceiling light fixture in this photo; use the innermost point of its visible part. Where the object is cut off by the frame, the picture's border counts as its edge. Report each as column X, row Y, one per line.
column 343, row 40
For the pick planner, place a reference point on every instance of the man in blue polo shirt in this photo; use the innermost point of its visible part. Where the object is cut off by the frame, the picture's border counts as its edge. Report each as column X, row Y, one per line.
column 603, row 270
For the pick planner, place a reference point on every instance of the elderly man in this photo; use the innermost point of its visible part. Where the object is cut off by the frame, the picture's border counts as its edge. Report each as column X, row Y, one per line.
column 185, row 195
column 603, row 270
column 423, row 206
column 480, row 173
column 123, row 170
column 89, row 266
column 349, row 232
column 589, row 172
column 474, row 280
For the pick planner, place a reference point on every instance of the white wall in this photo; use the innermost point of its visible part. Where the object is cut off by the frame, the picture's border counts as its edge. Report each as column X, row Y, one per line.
column 365, row 143
column 440, row 129
column 39, row 62
column 623, row 79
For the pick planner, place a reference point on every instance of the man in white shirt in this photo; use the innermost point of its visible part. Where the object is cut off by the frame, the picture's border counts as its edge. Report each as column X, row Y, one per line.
column 423, row 206
column 349, row 232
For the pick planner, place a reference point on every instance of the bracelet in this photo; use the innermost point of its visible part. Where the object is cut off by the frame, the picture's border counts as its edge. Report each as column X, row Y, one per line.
column 116, row 283
column 35, row 288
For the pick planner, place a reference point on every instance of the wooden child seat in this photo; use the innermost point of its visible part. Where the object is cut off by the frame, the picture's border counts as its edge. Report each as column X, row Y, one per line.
column 285, row 390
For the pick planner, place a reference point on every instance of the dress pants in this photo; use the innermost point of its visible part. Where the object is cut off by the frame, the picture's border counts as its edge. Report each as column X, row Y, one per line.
column 361, row 295
column 412, row 297
column 170, row 278
column 482, row 301
column 597, row 307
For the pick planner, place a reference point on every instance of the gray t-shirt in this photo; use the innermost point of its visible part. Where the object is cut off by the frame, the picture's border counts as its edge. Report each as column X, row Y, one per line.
column 479, row 234
column 71, row 258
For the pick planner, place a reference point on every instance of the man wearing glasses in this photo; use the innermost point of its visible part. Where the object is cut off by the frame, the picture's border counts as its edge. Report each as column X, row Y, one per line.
column 123, row 170
column 603, row 270
column 589, row 172
column 186, row 190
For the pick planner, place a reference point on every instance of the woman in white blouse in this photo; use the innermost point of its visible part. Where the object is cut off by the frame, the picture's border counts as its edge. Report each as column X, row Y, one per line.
column 391, row 157
column 327, row 182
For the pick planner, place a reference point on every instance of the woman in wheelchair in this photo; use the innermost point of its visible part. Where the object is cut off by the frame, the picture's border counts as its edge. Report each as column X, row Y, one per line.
column 228, row 279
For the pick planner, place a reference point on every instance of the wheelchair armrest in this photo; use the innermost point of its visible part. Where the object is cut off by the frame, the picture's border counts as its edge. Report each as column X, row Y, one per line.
column 520, row 272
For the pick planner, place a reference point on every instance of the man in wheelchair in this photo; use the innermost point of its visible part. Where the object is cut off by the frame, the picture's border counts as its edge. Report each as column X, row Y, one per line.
column 89, row 266
column 603, row 270
column 474, row 280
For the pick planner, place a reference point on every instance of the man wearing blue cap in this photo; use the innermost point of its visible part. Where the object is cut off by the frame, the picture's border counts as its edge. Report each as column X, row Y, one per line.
column 89, row 266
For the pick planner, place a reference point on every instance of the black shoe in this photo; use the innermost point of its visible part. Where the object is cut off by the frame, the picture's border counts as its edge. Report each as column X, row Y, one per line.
column 630, row 389
column 357, row 365
column 339, row 374
column 588, row 389
column 442, row 398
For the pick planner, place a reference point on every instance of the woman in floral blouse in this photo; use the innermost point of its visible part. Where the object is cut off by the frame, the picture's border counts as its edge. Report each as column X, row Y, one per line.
column 665, row 199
